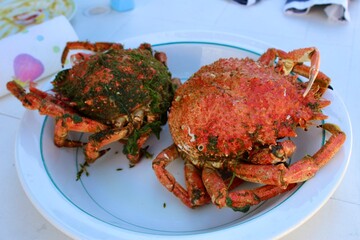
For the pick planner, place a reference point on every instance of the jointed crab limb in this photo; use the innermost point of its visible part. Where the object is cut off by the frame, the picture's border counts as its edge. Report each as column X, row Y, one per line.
column 332, row 146
column 199, row 183
column 274, row 153
column 308, row 166
column 265, row 174
column 101, row 47
column 215, row 186
column 61, row 136
column 321, row 80
column 95, row 47
column 138, row 118
column 195, row 186
column 300, row 171
column 289, row 60
column 241, row 200
column 73, row 122
column 135, row 158
column 34, row 100
column 195, row 195
column 66, row 120
column 98, row 140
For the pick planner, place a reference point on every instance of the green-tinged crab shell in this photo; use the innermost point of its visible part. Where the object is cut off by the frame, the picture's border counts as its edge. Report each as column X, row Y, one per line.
column 115, row 83
column 111, row 85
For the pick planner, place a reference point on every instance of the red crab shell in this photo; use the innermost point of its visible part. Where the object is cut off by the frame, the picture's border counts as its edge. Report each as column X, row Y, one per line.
column 232, row 105
column 233, row 117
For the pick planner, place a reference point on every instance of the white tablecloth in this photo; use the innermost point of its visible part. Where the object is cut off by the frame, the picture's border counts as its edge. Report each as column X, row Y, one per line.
column 338, row 43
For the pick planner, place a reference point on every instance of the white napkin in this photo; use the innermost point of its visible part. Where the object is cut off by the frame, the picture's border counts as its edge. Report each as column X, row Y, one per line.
column 34, row 53
column 336, row 10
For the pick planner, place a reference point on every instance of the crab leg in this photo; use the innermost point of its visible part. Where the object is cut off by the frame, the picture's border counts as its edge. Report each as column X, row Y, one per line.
column 65, row 119
column 321, row 80
column 94, row 47
column 73, row 122
column 273, row 154
column 195, row 194
column 238, row 200
column 242, row 200
column 35, row 100
column 102, row 138
column 300, row 171
column 292, row 58
column 139, row 116
column 307, row 167
column 140, row 142
column 265, row 174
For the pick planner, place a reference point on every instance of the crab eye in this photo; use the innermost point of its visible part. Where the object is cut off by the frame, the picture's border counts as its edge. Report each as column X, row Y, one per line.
column 200, row 147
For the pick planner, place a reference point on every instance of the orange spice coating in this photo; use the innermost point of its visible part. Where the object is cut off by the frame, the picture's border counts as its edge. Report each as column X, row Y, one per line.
column 233, row 104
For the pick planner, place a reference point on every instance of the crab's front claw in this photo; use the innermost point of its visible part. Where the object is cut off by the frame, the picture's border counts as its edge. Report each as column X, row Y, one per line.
column 274, row 154
column 305, row 55
column 288, row 61
column 302, row 55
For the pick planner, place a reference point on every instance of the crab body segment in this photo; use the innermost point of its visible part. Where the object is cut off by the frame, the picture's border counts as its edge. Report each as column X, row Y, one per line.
column 235, row 116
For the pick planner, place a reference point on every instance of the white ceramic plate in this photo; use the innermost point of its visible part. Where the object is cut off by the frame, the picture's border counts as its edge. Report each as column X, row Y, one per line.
column 119, row 202
column 11, row 21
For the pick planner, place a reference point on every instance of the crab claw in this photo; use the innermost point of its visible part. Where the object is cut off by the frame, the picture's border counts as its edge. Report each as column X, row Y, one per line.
column 290, row 61
column 311, row 54
column 314, row 69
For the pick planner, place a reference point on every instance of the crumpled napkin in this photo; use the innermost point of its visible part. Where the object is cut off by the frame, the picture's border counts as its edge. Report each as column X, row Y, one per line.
column 336, row 10
column 34, row 53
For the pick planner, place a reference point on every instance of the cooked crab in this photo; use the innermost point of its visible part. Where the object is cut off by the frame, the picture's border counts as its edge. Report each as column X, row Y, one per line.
column 115, row 94
column 237, row 116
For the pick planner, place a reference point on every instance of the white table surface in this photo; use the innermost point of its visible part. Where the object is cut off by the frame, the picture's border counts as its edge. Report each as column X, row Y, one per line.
column 339, row 44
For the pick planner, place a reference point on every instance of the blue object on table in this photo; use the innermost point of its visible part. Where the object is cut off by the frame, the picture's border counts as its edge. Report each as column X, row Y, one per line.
column 122, row 5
